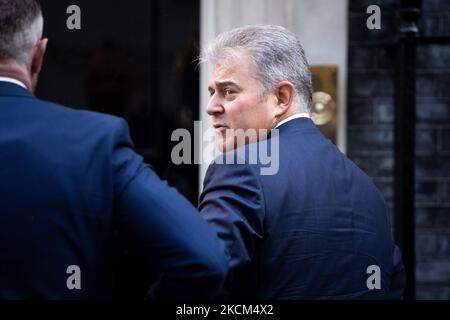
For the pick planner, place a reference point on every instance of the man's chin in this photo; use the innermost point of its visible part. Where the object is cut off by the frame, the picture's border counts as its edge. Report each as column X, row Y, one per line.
column 224, row 145
column 229, row 145
column 228, row 140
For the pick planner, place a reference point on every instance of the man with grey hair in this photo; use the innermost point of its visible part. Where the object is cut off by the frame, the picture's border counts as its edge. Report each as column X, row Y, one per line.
column 319, row 227
column 21, row 47
column 70, row 179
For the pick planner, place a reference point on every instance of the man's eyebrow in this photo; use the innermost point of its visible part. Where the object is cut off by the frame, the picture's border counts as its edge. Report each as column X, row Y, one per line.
column 226, row 83
column 221, row 84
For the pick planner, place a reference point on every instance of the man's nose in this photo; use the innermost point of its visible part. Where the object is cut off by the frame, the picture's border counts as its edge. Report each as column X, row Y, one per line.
column 214, row 107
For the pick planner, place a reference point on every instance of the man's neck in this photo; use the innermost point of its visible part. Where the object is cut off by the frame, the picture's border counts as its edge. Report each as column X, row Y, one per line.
column 17, row 73
column 286, row 117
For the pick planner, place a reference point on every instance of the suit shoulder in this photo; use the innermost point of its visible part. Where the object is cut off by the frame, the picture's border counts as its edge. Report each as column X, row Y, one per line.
column 82, row 119
column 225, row 174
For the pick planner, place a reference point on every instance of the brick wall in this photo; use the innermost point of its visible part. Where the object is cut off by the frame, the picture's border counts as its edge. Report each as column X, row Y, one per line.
column 370, row 128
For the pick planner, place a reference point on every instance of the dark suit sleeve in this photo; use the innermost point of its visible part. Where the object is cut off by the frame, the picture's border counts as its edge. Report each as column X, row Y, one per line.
column 232, row 203
column 398, row 275
column 165, row 227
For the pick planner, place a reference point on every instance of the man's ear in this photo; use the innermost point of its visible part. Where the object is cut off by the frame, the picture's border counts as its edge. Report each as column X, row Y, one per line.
column 284, row 92
column 38, row 56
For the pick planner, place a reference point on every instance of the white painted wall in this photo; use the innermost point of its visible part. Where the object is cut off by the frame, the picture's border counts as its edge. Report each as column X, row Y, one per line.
column 321, row 26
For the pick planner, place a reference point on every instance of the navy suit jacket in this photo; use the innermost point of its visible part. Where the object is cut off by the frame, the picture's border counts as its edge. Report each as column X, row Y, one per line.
column 69, row 178
column 311, row 231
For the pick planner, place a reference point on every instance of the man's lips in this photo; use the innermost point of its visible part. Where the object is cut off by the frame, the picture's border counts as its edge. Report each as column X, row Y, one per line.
column 219, row 126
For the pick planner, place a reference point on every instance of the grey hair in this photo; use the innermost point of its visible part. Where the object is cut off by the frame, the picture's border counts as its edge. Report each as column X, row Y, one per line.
column 275, row 55
column 21, row 27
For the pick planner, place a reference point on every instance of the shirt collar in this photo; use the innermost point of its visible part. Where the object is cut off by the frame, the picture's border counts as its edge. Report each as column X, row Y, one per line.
column 295, row 116
column 15, row 81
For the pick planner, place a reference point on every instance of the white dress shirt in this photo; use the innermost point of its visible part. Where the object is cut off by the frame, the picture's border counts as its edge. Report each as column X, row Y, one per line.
column 295, row 116
column 15, row 81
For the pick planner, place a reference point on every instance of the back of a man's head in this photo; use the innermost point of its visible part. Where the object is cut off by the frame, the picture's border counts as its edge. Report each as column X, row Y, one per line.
column 21, row 25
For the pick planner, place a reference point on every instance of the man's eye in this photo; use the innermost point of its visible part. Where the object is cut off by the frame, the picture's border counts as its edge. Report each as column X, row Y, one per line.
column 229, row 92
column 211, row 93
